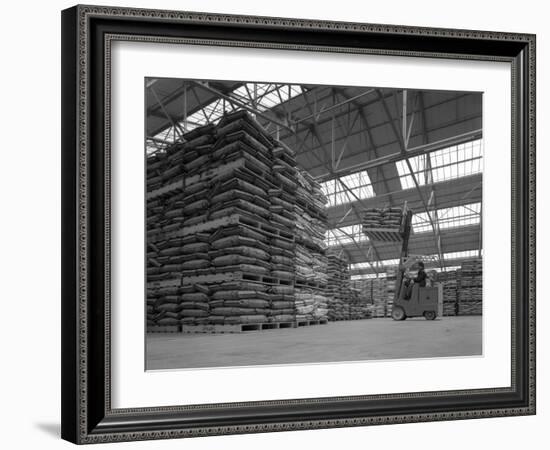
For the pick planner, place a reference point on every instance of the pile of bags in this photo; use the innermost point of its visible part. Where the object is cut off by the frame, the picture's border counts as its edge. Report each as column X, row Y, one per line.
column 382, row 218
column 450, row 292
column 221, row 229
column 309, row 305
column 339, row 281
column 470, row 288
column 310, row 253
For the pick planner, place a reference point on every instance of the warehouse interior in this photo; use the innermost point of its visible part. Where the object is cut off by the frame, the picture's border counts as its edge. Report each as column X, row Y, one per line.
column 355, row 150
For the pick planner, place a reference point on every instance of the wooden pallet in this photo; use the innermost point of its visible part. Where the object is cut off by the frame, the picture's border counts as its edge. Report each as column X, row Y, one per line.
column 219, row 278
column 309, row 284
column 269, row 230
column 237, row 328
column 383, row 234
column 199, row 279
column 305, row 323
column 350, row 318
column 208, row 174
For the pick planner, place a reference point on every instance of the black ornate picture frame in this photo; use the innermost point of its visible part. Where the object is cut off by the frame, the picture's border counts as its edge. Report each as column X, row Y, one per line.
column 87, row 35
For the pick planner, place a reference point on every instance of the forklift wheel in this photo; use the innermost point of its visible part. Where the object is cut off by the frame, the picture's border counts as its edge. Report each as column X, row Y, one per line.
column 398, row 313
column 429, row 315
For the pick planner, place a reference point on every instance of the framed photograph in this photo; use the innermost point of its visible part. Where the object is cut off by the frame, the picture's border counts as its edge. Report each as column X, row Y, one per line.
column 280, row 224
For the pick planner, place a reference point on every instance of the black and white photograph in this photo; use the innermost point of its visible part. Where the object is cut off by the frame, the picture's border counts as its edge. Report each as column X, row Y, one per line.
column 297, row 224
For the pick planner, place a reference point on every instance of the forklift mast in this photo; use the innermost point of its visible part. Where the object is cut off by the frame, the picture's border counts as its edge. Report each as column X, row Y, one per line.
column 405, row 231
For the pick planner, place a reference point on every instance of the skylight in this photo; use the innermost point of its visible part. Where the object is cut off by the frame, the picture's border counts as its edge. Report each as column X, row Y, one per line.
column 376, row 264
column 263, row 96
column 266, row 96
column 456, row 216
column 446, row 268
column 446, row 164
column 463, row 254
column 337, row 192
column 366, row 276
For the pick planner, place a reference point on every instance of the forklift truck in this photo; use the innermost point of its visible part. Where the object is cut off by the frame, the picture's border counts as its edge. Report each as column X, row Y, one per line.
column 424, row 301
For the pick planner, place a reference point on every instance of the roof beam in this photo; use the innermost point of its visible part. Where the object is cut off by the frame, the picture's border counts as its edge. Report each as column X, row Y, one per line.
column 240, row 104
column 409, row 153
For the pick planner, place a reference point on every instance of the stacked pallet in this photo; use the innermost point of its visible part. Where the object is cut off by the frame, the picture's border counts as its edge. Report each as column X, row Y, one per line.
column 391, row 286
column 379, row 296
column 170, row 255
column 450, row 292
column 232, row 226
column 338, row 281
column 220, row 233
column 382, row 218
column 344, row 301
column 311, row 262
column 359, row 306
column 470, row 287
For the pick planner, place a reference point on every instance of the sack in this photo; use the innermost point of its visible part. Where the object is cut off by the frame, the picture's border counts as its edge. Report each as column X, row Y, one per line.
column 243, row 303
column 251, row 318
column 197, row 247
column 168, row 321
column 198, row 206
column 234, row 311
column 193, row 313
column 195, row 264
column 168, row 307
column 281, row 289
column 240, row 285
column 194, row 305
column 283, row 318
column 195, row 297
column 281, row 304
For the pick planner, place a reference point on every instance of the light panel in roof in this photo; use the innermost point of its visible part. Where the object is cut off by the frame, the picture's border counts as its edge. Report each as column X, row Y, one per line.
column 367, row 276
column 261, row 96
column 456, row 216
column 446, row 164
column 463, row 254
column 376, row 264
column 346, row 189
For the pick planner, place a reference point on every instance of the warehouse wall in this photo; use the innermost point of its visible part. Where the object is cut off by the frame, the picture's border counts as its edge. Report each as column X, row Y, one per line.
column 31, row 210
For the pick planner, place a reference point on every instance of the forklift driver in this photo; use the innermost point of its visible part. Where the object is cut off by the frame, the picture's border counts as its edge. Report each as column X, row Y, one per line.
column 420, row 279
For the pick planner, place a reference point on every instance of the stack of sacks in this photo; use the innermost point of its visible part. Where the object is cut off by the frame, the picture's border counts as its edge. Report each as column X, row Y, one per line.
column 359, row 306
column 391, row 286
column 338, row 309
column 450, row 293
column 470, row 290
column 170, row 254
column 364, row 288
column 311, row 263
column 382, row 218
column 221, row 226
column 241, row 302
column 379, row 295
column 310, row 306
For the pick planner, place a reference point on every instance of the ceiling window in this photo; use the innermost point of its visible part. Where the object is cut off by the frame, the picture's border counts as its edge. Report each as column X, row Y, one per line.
column 348, row 188
column 266, row 96
column 367, row 276
column 456, row 216
column 261, row 96
column 463, row 254
column 442, row 165
column 376, row 264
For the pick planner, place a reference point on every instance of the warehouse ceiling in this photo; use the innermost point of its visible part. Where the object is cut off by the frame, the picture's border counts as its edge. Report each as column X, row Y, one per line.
column 361, row 143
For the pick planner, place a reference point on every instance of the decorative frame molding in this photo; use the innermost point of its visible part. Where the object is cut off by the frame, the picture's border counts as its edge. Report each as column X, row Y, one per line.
column 87, row 34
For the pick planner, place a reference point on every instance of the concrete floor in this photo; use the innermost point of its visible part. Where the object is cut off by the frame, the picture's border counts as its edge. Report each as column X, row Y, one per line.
column 357, row 340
